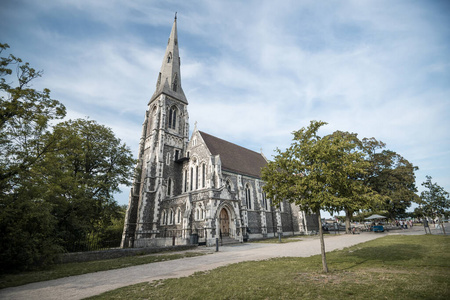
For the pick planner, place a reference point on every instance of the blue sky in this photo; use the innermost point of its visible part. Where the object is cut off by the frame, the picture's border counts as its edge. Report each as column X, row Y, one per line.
column 253, row 71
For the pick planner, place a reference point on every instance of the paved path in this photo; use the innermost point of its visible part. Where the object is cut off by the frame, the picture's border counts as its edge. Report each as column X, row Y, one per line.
column 81, row 286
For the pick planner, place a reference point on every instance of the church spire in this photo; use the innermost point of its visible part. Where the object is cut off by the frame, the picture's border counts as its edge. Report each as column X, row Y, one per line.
column 169, row 78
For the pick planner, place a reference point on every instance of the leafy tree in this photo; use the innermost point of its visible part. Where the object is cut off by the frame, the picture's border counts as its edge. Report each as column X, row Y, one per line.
column 392, row 177
column 26, row 224
column 82, row 174
column 435, row 200
column 315, row 173
column 55, row 186
column 349, row 173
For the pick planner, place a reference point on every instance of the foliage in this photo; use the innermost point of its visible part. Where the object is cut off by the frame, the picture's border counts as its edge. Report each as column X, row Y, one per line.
column 351, row 189
column 435, row 201
column 82, row 174
column 392, row 177
column 24, row 117
column 318, row 173
column 55, row 185
column 26, row 222
column 393, row 267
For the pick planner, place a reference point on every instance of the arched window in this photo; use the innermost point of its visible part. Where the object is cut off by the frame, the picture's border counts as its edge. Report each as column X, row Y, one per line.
column 248, row 200
column 169, row 187
column 196, row 177
column 185, row 180
column 203, row 175
column 178, row 216
column 169, row 57
column 163, row 217
column 228, row 185
column 171, row 217
column 173, row 117
column 263, row 200
column 192, row 179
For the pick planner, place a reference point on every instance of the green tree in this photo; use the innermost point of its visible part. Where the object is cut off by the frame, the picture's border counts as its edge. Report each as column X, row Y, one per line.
column 55, row 186
column 435, row 201
column 392, row 177
column 26, row 223
column 86, row 168
column 349, row 172
column 313, row 173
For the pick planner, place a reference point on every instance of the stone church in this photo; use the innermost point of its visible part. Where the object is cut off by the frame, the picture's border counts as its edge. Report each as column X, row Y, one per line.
column 194, row 190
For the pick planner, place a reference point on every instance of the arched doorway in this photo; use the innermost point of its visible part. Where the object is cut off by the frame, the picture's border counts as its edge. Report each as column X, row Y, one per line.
column 224, row 223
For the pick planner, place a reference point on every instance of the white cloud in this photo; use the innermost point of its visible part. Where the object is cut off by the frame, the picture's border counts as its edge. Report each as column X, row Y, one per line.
column 255, row 71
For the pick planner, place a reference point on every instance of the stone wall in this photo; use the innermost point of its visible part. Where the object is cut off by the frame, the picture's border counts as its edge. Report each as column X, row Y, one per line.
column 116, row 253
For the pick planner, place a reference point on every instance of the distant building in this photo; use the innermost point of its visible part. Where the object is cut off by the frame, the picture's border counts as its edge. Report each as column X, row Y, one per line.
column 198, row 189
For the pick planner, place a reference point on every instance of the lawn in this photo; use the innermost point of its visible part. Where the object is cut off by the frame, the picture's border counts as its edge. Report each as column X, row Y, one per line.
column 392, row 267
column 71, row 269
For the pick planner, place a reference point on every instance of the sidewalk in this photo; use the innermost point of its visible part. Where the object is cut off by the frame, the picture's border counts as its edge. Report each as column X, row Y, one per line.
column 82, row 286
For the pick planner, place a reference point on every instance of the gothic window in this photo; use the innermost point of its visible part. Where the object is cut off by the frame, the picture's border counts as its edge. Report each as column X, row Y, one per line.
column 185, row 180
column 196, row 177
column 173, row 117
column 171, row 217
column 248, row 200
column 203, row 175
column 197, row 214
column 169, row 57
column 177, row 154
column 264, row 200
column 192, row 179
column 169, row 186
column 178, row 221
column 163, row 217
column 228, row 185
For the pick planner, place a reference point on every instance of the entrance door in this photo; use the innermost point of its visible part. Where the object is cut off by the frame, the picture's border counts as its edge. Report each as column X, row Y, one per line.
column 224, row 223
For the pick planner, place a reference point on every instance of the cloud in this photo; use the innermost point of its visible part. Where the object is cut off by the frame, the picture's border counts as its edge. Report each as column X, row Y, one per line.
column 253, row 71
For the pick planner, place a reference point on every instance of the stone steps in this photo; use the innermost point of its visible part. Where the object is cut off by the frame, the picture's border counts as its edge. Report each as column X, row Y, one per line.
column 228, row 240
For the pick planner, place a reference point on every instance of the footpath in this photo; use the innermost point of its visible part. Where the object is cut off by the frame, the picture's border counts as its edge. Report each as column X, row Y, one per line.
column 82, row 286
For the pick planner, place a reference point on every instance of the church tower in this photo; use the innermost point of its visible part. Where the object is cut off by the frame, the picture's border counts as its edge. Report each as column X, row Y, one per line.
column 165, row 135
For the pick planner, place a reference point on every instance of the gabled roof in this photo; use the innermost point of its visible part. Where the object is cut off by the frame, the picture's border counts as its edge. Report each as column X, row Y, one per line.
column 235, row 158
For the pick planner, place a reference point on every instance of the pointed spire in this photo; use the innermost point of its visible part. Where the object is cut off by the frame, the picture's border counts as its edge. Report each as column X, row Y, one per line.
column 169, row 79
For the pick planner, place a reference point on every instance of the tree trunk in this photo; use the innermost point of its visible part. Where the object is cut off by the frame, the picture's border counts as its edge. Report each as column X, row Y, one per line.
column 322, row 243
column 442, row 225
column 348, row 229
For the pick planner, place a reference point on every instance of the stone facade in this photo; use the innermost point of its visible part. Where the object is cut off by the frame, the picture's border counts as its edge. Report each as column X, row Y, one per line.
column 198, row 189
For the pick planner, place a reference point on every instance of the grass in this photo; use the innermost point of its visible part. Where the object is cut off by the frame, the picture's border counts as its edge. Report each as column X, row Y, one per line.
column 392, row 267
column 71, row 269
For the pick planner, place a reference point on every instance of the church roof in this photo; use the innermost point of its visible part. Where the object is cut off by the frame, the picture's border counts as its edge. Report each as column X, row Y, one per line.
column 235, row 158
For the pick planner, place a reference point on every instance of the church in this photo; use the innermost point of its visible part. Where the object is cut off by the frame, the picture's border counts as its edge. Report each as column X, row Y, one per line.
column 199, row 189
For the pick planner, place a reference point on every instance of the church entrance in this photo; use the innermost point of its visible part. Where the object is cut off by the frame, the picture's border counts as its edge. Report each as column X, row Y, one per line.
column 224, row 223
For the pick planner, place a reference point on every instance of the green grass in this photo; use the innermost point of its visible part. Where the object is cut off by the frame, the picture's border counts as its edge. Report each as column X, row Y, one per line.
column 71, row 269
column 392, row 267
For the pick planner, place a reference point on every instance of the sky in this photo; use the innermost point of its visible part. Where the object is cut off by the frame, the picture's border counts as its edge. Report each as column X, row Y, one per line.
column 252, row 71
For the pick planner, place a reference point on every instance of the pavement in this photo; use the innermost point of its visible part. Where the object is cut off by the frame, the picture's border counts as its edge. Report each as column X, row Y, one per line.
column 82, row 286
